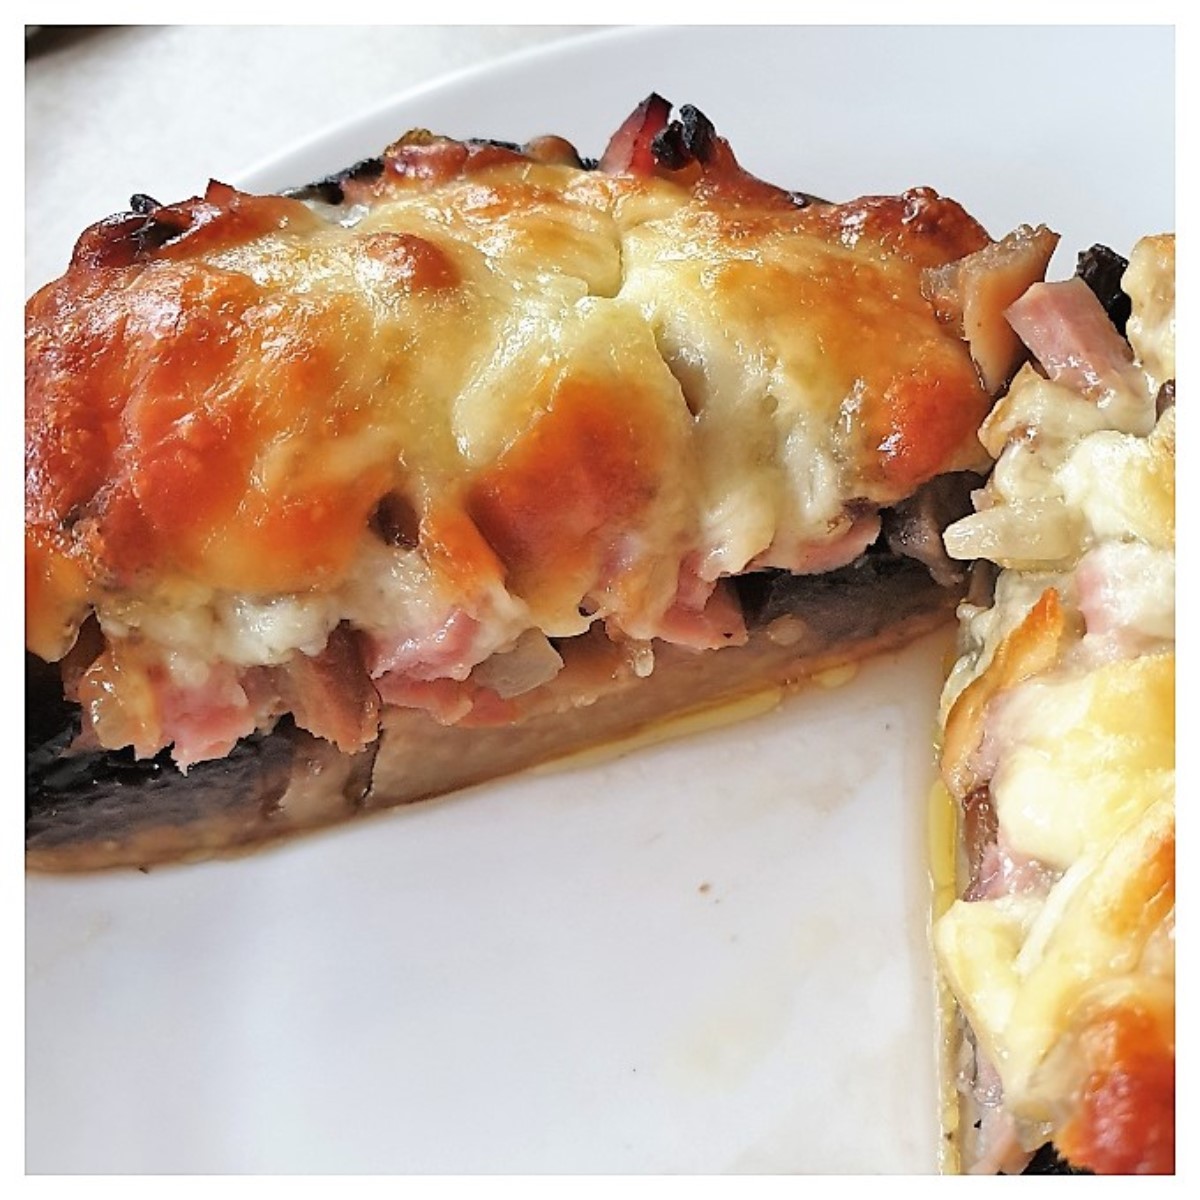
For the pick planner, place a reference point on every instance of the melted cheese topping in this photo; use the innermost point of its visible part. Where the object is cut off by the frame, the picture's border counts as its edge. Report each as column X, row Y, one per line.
column 586, row 389
column 1150, row 283
column 1068, row 986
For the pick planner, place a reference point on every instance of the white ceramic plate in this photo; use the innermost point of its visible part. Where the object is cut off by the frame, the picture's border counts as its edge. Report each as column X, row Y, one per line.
column 709, row 956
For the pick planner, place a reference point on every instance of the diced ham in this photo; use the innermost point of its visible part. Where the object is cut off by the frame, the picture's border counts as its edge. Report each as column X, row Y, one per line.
column 1099, row 595
column 205, row 720
column 705, row 614
column 1004, row 872
column 441, row 652
column 629, row 150
column 203, row 717
column 1126, row 593
column 815, row 558
column 1067, row 329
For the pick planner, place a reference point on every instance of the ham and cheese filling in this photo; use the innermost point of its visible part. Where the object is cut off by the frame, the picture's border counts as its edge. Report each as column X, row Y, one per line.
column 292, row 456
column 1059, row 743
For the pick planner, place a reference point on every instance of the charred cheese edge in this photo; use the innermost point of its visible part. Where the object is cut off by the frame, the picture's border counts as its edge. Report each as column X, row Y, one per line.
column 1061, row 956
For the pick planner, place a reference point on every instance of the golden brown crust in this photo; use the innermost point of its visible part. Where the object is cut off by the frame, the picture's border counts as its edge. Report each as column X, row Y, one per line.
column 1125, row 1121
column 1029, row 649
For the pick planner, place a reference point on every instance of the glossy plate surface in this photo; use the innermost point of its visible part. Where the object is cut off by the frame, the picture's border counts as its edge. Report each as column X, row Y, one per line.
column 707, row 956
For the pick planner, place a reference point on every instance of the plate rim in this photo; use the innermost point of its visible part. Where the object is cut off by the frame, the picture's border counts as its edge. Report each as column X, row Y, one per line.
column 250, row 175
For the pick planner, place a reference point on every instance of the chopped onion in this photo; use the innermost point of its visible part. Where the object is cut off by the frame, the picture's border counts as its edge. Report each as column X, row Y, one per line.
column 529, row 664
